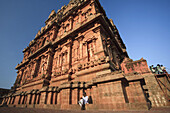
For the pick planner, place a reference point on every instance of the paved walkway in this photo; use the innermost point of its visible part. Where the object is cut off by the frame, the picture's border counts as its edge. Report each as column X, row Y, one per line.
column 34, row 110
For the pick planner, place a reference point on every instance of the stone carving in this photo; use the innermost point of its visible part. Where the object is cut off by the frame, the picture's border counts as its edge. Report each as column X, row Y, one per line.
column 65, row 71
column 92, row 63
column 52, row 14
column 100, row 61
column 140, row 66
column 32, row 68
column 43, row 65
column 79, row 66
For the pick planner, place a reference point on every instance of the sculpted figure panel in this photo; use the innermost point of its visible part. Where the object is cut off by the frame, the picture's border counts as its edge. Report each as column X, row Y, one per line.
column 55, row 63
column 32, row 67
column 43, row 65
column 60, row 61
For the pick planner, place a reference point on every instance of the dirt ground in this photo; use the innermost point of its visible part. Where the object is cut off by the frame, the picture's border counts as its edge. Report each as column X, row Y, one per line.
column 35, row 110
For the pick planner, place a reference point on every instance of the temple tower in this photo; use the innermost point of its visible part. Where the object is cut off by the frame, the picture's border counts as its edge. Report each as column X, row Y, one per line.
column 80, row 50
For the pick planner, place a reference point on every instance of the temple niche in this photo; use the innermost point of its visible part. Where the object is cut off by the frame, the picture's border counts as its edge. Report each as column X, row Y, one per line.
column 32, row 68
column 89, row 47
column 60, row 61
column 43, row 66
column 25, row 74
column 80, row 50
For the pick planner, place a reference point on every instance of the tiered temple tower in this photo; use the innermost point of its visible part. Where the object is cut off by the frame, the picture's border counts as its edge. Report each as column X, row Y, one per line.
column 80, row 49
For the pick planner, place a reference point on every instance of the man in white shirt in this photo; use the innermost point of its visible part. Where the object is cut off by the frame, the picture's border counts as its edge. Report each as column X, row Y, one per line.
column 84, row 100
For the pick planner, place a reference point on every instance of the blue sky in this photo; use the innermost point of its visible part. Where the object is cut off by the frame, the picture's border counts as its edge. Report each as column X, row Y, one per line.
column 143, row 25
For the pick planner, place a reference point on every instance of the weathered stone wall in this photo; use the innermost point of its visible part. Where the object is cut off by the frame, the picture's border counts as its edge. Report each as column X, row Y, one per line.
column 80, row 49
column 107, row 91
column 155, row 95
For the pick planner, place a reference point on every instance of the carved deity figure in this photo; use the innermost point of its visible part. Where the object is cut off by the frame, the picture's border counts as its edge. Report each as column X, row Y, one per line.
column 90, row 50
column 32, row 69
column 43, row 66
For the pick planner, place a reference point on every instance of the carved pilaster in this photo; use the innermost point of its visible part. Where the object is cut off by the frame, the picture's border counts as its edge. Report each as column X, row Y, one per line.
column 49, row 61
column 79, row 15
column 70, row 22
column 54, row 32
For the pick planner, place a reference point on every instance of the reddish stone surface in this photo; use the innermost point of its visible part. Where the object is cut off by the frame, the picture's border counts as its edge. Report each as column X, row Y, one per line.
column 80, row 49
column 139, row 66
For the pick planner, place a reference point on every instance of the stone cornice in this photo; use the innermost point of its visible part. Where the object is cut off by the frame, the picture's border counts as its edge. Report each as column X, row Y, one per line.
column 46, row 29
column 34, row 54
column 23, row 63
column 32, row 84
column 39, row 50
column 108, row 77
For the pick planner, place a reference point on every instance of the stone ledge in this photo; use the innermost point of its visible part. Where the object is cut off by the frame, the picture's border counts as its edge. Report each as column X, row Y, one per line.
column 33, row 84
column 62, row 77
column 133, row 78
column 108, row 77
column 118, row 106
column 94, row 69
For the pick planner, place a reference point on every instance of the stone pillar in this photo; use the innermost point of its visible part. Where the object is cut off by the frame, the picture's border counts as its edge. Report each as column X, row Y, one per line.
column 80, row 93
column 59, row 97
column 28, row 99
column 33, row 98
column 38, row 99
column 79, row 13
column 94, row 45
column 75, row 98
column 71, row 22
column 43, row 98
column 16, row 100
column 9, row 100
column 19, row 101
column 13, row 101
column 55, row 94
column 25, row 99
column 59, row 62
column 70, row 53
column 58, row 59
column 81, row 49
column 50, row 98
column 68, row 58
column 49, row 61
column 22, row 99
column 3, row 100
column 99, row 42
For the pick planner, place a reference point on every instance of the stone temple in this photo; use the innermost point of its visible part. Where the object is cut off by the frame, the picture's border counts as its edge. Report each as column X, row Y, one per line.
column 80, row 50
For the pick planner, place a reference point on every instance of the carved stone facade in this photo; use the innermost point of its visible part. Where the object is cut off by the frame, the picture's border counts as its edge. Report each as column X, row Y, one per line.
column 79, row 49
